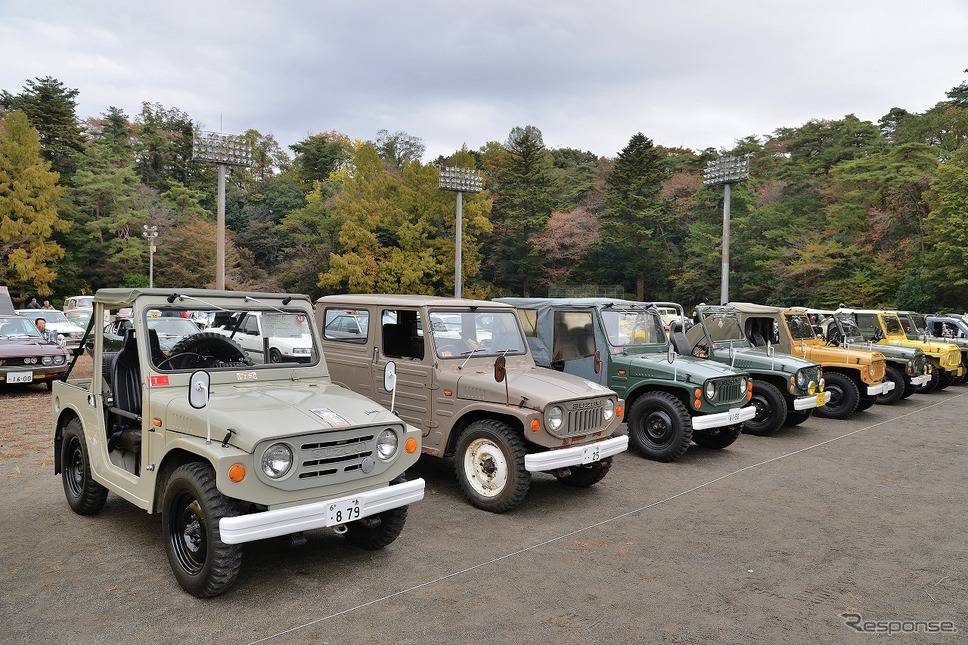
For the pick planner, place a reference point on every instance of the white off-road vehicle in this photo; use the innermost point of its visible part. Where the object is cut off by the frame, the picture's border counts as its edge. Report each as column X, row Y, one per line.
column 226, row 448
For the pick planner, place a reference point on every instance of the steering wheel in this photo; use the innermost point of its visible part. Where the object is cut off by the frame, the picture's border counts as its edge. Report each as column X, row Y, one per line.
column 701, row 350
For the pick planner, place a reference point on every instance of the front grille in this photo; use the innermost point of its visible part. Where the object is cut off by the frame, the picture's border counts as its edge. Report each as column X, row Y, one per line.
column 331, row 457
column 585, row 421
column 728, row 391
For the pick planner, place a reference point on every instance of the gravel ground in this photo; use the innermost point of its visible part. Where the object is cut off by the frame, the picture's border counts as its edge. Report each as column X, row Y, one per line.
column 772, row 540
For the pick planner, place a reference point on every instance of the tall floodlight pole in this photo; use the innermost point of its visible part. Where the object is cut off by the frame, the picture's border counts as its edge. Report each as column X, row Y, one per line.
column 726, row 171
column 459, row 180
column 150, row 233
column 224, row 150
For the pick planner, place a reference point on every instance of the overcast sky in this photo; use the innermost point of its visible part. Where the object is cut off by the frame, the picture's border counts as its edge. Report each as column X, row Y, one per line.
column 588, row 73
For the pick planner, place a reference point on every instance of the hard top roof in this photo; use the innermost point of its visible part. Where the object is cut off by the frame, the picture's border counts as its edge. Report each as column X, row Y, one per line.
column 406, row 300
column 535, row 303
column 123, row 297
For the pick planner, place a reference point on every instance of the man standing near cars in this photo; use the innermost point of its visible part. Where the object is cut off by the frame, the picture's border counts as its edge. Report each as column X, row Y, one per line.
column 48, row 335
column 33, row 304
column 47, row 305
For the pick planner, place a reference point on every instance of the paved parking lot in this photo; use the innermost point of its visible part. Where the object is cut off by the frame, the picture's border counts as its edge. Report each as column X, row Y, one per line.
column 771, row 540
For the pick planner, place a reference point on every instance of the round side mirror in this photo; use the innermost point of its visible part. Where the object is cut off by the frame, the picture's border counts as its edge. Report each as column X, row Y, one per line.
column 671, row 354
column 198, row 389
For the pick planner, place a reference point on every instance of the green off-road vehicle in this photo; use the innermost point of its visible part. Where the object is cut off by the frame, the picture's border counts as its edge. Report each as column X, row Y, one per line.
column 228, row 446
column 786, row 388
column 885, row 328
column 672, row 399
column 854, row 377
column 907, row 367
column 465, row 377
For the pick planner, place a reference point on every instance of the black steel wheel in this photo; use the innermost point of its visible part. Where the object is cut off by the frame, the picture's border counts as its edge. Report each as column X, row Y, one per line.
column 842, row 396
column 84, row 495
column 660, row 426
column 771, row 410
column 203, row 565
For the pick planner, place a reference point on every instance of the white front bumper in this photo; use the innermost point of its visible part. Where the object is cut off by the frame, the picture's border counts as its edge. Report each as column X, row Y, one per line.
column 918, row 381
column 728, row 418
column 585, row 454
column 283, row 521
column 805, row 402
column 880, row 388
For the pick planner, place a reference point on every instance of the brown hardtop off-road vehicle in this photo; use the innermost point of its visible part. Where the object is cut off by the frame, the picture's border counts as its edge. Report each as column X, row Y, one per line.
column 228, row 446
column 466, row 378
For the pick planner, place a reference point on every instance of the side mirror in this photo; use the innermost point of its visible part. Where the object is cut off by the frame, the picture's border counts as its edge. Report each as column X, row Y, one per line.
column 198, row 389
column 500, row 369
column 598, row 362
column 390, row 377
column 671, row 354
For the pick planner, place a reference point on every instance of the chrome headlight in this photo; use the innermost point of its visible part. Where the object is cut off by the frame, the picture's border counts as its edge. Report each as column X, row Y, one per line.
column 555, row 417
column 59, row 360
column 744, row 385
column 710, row 390
column 609, row 409
column 48, row 360
column 277, row 460
column 801, row 378
column 387, row 444
column 870, row 369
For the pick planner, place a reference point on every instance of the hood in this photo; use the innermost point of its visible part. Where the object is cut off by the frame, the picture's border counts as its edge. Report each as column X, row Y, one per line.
column 686, row 368
column 749, row 358
column 534, row 387
column 266, row 410
column 29, row 347
column 829, row 355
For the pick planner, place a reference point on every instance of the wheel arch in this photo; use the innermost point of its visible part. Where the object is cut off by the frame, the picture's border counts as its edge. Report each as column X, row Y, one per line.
column 681, row 393
column 471, row 416
column 172, row 460
column 66, row 416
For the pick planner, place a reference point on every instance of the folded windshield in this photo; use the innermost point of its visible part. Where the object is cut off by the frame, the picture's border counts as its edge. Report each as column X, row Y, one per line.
column 724, row 326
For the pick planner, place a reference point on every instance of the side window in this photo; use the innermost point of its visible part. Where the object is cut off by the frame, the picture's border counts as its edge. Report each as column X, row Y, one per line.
column 347, row 325
column 401, row 335
column 574, row 335
column 250, row 326
column 529, row 322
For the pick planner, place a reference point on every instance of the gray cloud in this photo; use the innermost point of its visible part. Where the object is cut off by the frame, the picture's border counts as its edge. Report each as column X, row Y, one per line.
column 589, row 75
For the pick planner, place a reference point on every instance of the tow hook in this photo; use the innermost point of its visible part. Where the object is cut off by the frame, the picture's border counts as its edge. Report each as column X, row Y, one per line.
column 339, row 529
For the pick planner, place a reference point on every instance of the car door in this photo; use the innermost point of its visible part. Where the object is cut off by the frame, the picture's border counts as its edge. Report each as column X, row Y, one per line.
column 401, row 338
column 573, row 346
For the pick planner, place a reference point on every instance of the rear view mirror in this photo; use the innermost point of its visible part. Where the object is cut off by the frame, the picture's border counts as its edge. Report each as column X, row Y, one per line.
column 500, row 369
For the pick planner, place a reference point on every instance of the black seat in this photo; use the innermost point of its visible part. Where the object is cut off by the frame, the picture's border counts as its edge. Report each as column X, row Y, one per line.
column 126, row 384
column 157, row 356
column 678, row 338
column 757, row 338
column 394, row 340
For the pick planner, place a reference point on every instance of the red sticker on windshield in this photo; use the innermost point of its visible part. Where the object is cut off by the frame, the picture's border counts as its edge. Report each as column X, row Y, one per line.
column 158, row 380
column 300, row 319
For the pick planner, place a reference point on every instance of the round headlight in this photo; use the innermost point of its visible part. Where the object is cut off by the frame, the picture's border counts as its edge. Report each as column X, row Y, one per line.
column 821, row 384
column 277, row 460
column 58, row 360
column 555, row 417
column 387, row 444
column 743, row 385
column 48, row 360
column 870, row 369
column 801, row 378
column 710, row 390
column 609, row 409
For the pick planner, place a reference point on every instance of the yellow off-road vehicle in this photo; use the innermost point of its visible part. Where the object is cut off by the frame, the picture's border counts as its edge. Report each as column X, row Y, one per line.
column 854, row 377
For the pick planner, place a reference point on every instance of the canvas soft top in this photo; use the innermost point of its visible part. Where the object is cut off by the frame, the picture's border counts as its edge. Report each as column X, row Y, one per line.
column 750, row 308
column 124, row 297
column 574, row 303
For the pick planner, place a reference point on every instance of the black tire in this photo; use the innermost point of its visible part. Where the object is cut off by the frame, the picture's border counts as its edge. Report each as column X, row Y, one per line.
column 944, row 380
column 192, row 508
column 275, row 356
column 796, row 417
column 717, row 438
column 377, row 531
column 771, row 410
column 660, row 426
column 895, row 376
column 931, row 385
column 206, row 349
column 583, row 476
column 908, row 391
column 842, row 396
column 865, row 403
column 490, row 466
column 84, row 495
column 50, row 384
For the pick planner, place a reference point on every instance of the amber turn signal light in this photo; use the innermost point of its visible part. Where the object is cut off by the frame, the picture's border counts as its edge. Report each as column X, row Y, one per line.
column 237, row 473
column 410, row 446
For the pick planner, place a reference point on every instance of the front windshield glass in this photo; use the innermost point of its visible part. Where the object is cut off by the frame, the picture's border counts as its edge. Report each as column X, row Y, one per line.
column 892, row 325
column 800, row 327
column 849, row 328
column 723, row 326
column 17, row 326
column 633, row 328
column 239, row 337
column 462, row 333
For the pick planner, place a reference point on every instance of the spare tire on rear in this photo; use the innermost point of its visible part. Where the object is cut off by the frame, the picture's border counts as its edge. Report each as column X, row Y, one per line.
column 206, row 349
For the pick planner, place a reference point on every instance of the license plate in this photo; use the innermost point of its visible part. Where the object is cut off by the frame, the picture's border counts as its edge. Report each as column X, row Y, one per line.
column 591, row 454
column 344, row 511
column 20, row 377
column 821, row 398
column 734, row 416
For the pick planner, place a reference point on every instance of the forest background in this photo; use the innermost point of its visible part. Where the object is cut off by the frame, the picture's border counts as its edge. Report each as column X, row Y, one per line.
column 835, row 211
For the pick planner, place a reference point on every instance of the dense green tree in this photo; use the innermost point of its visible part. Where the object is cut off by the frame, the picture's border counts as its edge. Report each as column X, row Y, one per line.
column 946, row 234
column 398, row 148
column 29, row 194
column 52, row 110
column 319, row 155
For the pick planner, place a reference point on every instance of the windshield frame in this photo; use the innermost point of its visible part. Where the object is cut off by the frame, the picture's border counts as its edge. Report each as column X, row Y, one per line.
column 451, row 342
column 614, row 321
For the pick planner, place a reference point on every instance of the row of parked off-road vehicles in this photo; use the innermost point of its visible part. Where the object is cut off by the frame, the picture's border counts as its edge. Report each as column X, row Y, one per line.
column 287, row 416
